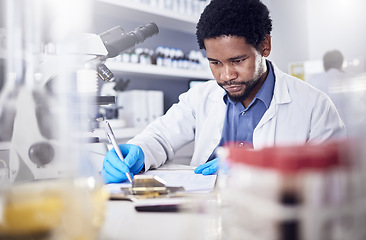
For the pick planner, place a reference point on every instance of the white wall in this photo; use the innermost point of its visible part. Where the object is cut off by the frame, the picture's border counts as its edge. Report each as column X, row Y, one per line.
column 337, row 24
column 305, row 30
column 289, row 34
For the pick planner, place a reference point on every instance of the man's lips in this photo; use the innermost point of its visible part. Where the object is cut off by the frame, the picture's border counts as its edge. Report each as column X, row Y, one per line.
column 233, row 88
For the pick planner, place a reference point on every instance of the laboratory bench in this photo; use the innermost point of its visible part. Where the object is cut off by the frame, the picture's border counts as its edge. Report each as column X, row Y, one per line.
column 189, row 214
column 122, row 221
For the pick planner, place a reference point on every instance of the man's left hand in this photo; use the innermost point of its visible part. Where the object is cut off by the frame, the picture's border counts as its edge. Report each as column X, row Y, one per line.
column 208, row 168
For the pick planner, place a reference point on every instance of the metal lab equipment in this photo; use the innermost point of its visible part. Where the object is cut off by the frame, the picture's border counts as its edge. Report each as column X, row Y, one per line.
column 148, row 186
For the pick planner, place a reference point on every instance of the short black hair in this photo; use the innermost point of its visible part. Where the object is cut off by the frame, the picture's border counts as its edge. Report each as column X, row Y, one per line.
column 243, row 18
column 333, row 59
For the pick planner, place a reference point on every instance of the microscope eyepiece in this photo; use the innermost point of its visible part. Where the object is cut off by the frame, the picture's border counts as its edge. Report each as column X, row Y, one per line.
column 144, row 32
column 116, row 40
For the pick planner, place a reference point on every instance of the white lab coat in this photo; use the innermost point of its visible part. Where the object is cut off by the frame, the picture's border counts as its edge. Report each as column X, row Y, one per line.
column 298, row 114
column 329, row 82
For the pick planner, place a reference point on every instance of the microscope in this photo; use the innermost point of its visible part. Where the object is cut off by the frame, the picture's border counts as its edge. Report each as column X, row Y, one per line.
column 35, row 144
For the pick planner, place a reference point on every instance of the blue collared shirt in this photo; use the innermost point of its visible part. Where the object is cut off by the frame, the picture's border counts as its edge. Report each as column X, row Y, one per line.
column 240, row 122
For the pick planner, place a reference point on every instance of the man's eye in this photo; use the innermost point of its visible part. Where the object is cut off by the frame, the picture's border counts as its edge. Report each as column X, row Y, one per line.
column 214, row 63
column 239, row 60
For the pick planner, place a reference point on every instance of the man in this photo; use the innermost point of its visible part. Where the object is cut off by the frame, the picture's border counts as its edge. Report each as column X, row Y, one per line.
column 331, row 79
column 251, row 102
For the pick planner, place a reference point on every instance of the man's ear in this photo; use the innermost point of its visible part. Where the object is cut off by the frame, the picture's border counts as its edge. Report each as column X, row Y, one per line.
column 265, row 46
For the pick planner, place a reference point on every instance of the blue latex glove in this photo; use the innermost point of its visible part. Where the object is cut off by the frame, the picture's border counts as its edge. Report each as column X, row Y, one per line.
column 114, row 170
column 208, row 168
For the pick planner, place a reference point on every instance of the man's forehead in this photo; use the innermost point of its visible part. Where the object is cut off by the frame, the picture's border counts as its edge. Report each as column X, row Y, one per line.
column 227, row 47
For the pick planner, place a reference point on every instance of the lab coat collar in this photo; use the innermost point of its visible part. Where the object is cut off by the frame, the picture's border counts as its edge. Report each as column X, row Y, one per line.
column 218, row 94
column 281, row 94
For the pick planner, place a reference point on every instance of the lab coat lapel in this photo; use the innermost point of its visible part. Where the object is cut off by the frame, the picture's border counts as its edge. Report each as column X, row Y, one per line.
column 218, row 110
column 217, row 116
column 210, row 133
column 281, row 96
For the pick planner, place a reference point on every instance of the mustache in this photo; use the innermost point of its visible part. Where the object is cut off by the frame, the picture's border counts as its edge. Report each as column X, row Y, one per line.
column 231, row 83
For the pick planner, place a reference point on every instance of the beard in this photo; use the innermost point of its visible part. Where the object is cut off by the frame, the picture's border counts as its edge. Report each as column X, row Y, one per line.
column 249, row 86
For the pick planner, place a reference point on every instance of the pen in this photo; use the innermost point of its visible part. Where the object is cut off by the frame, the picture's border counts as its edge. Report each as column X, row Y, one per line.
column 112, row 140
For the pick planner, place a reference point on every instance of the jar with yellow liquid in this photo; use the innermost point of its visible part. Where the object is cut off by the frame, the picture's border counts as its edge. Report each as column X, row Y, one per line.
column 48, row 187
column 52, row 209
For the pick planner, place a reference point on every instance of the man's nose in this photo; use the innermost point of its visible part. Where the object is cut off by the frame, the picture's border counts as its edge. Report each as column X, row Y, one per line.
column 228, row 73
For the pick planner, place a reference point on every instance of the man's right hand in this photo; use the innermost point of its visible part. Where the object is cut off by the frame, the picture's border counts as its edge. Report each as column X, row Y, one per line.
column 114, row 170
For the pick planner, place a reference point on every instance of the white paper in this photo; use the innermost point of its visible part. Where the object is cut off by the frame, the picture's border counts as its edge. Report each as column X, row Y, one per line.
column 185, row 178
column 176, row 176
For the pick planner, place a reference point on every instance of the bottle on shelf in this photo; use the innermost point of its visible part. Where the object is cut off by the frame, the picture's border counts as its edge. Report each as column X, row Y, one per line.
column 164, row 57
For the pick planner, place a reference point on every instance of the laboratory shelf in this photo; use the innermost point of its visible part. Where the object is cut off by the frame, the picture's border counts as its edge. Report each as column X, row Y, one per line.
column 128, row 9
column 158, row 72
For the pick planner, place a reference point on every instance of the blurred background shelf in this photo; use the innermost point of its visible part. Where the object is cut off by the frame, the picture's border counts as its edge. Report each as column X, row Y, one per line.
column 146, row 13
column 153, row 71
column 176, row 30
